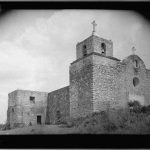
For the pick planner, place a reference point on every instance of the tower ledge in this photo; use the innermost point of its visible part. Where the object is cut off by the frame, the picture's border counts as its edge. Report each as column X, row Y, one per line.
column 94, row 53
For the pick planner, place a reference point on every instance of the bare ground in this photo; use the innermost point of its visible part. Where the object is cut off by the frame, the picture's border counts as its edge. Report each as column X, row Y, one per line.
column 40, row 129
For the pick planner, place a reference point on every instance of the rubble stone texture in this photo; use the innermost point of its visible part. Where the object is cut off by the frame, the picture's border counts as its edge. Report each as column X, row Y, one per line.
column 58, row 106
column 23, row 111
column 98, row 81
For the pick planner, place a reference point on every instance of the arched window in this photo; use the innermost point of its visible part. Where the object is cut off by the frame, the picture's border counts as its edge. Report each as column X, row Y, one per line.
column 135, row 81
column 103, row 48
column 136, row 63
column 84, row 50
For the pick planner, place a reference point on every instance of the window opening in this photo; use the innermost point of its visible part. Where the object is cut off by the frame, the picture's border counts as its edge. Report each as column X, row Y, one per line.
column 136, row 63
column 135, row 81
column 32, row 99
column 84, row 50
column 103, row 48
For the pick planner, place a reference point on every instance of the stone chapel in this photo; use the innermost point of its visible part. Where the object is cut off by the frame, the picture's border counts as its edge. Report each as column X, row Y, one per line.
column 98, row 81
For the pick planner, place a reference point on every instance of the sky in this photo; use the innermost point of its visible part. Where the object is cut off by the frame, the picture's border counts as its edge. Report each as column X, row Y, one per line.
column 37, row 46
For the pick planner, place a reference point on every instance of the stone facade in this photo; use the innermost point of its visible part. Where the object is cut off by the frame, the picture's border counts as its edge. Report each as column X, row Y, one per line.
column 98, row 81
column 26, row 107
column 58, row 106
column 109, row 88
column 137, row 79
column 81, row 88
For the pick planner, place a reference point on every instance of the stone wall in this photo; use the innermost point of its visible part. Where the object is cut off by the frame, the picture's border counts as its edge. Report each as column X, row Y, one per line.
column 109, row 90
column 131, row 72
column 58, row 106
column 96, row 83
column 140, row 91
column 147, row 87
column 97, row 41
column 79, row 47
column 11, row 113
column 148, row 73
column 22, row 110
column 147, row 91
column 81, row 87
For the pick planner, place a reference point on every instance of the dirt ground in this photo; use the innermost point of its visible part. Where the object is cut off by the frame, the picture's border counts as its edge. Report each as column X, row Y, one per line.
column 40, row 129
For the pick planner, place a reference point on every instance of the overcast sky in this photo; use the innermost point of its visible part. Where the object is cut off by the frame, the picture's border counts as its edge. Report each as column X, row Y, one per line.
column 37, row 47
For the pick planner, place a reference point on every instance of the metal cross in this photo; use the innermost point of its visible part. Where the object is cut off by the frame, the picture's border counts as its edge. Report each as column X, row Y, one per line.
column 133, row 50
column 94, row 25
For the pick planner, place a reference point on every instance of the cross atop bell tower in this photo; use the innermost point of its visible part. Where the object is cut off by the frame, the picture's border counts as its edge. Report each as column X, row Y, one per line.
column 94, row 27
column 133, row 50
column 94, row 44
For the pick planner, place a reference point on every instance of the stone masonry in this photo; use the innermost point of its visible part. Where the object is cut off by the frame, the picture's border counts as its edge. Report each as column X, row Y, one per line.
column 24, row 107
column 98, row 81
column 58, row 106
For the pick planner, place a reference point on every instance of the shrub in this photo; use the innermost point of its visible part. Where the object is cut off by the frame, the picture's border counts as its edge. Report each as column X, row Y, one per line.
column 146, row 109
column 135, row 106
column 74, row 122
column 113, row 121
column 118, row 121
column 6, row 127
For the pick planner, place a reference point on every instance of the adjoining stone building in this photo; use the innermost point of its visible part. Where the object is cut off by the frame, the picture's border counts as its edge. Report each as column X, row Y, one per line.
column 98, row 81
column 26, row 107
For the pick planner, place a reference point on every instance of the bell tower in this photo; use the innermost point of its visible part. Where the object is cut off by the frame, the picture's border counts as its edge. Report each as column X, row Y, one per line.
column 94, row 44
column 89, row 52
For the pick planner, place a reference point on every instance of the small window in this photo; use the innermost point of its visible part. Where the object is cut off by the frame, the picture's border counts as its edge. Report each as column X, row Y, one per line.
column 103, row 48
column 84, row 50
column 135, row 81
column 13, row 110
column 32, row 99
column 136, row 63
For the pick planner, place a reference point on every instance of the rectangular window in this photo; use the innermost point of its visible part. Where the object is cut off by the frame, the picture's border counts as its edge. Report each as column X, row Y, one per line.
column 32, row 99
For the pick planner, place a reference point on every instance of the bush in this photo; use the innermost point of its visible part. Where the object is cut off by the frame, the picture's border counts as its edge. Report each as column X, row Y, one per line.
column 74, row 122
column 2, row 126
column 6, row 127
column 120, row 121
column 135, row 120
column 146, row 109
column 135, row 106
